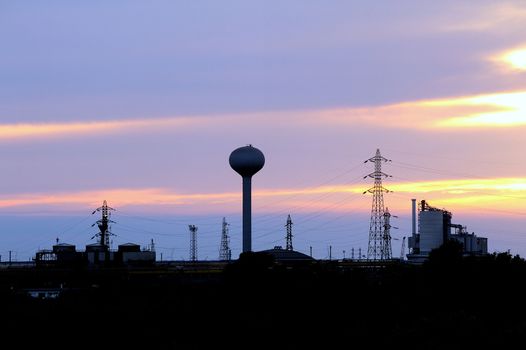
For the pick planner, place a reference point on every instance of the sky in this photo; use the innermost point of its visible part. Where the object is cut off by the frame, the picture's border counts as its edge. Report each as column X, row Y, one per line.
column 140, row 103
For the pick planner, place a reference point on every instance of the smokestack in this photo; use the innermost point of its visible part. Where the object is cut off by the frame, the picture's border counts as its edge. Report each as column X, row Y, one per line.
column 414, row 216
column 247, row 161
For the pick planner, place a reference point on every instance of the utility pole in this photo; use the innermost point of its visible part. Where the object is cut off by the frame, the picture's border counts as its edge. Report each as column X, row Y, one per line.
column 379, row 244
column 193, row 242
column 289, row 234
column 330, row 252
column 310, row 248
column 352, row 253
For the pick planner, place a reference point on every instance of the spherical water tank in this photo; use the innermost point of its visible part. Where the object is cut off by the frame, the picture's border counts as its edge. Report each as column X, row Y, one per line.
column 247, row 160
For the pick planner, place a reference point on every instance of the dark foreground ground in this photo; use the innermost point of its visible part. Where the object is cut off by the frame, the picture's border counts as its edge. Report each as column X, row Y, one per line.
column 255, row 303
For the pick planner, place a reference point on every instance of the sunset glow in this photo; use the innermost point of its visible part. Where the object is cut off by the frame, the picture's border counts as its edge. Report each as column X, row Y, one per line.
column 483, row 192
column 492, row 110
column 505, row 110
column 142, row 106
column 42, row 130
column 516, row 58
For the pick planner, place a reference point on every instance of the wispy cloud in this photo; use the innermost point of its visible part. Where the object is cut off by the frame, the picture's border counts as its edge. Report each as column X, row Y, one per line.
column 502, row 16
column 481, row 111
column 495, row 193
column 118, row 197
column 506, row 109
column 47, row 130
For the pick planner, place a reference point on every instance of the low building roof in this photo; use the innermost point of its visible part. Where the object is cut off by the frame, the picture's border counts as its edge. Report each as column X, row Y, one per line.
column 281, row 254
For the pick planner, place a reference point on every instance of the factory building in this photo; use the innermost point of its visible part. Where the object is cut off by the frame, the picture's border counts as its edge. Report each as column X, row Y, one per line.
column 64, row 254
column 99, row 253
column 285, row 255
column 435, row 228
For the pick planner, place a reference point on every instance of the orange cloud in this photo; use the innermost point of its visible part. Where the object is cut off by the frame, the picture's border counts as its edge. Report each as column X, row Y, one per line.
column 40, row 130
column 482, row 111
column 497, row 194
column 118, row 197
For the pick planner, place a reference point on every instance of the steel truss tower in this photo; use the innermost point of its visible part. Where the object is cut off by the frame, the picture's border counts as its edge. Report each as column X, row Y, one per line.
column 104, row 225
column 224, row 249
column 193, row 242
column 379, row 240
column 387, row 234
column 289, row 234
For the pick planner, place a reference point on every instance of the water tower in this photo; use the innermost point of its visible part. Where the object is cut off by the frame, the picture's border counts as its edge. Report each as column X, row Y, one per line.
column 247, row 161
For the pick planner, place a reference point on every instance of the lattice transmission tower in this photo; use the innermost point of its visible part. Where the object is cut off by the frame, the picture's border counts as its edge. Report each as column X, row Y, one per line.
column 388, row 253
column 379, row 240
column 104, row 225
column 193, row 242
column 225, row 253
column 289, row 234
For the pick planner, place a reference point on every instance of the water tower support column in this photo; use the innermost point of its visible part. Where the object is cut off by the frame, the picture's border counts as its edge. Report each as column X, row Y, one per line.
column 247, row 214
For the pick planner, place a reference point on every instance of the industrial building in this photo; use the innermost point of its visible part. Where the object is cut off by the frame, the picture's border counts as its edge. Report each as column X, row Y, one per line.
column 64, row 254
column 284, row 255
column 435, row 228
column 99, row 253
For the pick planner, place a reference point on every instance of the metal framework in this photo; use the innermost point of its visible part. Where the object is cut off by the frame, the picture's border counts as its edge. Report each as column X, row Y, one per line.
column 104, row 224
column 388, row 252
column 224, row 249
column 193, row 242
column 289, row 234
column 379, row 241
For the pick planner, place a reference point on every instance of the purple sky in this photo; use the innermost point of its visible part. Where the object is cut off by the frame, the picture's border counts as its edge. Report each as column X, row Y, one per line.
column 141, row 102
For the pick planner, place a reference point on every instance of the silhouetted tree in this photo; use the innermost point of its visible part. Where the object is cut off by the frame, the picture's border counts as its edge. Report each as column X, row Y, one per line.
column 252, row 263
column 448, row 254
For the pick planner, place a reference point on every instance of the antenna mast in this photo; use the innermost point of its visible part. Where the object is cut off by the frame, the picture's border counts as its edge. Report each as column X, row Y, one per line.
column 193, row 242
column 379, row 243
column 289, row 234
column 104, row 224
column 224, row 250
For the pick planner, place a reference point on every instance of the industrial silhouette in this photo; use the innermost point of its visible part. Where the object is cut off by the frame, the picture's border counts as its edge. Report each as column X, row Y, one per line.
column 225, row 254
column 193, row 242
column 104, row 225
column 434, row 228
column 129, row 286
column 379, row 238
column 99, row 253
column 247, row 161
column 289, row 233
